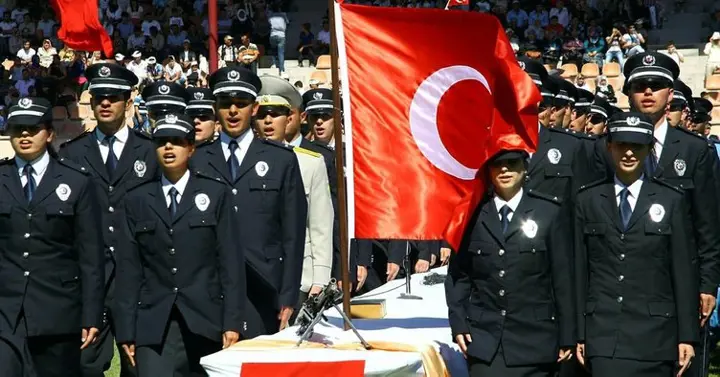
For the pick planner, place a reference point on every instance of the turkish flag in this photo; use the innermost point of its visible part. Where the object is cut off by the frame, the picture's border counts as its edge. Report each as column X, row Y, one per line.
column 456, row 3
column 431, row 95
column 349, row 368
column 80, row 27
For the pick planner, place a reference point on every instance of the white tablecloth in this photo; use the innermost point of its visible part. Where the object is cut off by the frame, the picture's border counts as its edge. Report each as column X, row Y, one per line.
column 406, row 321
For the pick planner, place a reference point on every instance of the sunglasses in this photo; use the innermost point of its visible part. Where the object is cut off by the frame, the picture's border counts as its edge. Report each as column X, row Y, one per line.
column 272, row 111
column 641, row 86
column 597, row 118
column 176, row 141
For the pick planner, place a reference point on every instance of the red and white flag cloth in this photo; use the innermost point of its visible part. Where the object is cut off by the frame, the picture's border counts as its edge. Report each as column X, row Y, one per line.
column 428, row 95
column 456, row 3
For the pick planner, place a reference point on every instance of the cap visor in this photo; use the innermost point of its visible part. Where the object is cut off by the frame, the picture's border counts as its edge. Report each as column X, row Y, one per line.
column 320, row 111
column 236, row 94
column 25, row 120
column 198, row 112
column 631, row 137
column 509, row 155
column 106, row 92
column 168, row 132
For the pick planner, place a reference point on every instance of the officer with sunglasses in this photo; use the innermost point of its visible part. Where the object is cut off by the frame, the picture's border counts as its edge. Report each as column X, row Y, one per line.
column 680, row 109
column 201, row 109
column 600, row 111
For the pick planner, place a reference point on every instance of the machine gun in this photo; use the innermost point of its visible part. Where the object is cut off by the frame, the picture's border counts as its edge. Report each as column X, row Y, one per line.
column 313, row 308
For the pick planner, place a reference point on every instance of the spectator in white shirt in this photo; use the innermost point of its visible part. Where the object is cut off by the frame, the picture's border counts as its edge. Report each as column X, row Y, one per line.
column 539, row 14
column 227, row 53
column 46, row 53
column 278, row 25
column 176, row 18
column 137, row 40
column 138, row 66
column 674, row 53
column 516, row 17
column 176, row 37
column 562, row 14
column 149, row 23
column 45, row 25
column 135, row 11
column 323, row 40
column 114, row 13
column 632, row 41
column 173, row 72
column 18, row 14
column 712, row 50
column 26, row 53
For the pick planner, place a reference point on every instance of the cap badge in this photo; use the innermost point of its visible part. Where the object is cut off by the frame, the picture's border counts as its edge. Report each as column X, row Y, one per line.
column 63, row 191
column 104, row 71
column 530, row 228
column 163, row 89
column 199, row 95
column 140, row 168
column 554, row 156
column 648, row 60
column 632, row 121
column 657, row 212
column 25, row 103
column 680, row 167
column 233, row 76
column 171, row 118
column 202, row 201
column 522, row 65
column 317, row 96
column 261, row 168
column 264, row 99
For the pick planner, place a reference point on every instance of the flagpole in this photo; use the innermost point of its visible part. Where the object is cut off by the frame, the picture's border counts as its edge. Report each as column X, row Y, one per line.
column 340, row 164
column 213, row 29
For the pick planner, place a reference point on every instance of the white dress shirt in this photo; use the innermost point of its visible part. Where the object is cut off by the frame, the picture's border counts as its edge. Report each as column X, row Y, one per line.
column 660, row 135
column 179, row 186
column 243, row 141
column 513, row 203
column 634, row 191
column 121, row 138
column 297, row 141
column 39, row 166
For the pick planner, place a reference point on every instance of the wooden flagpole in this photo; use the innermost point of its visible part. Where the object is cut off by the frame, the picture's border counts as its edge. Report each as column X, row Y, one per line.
column 340, row 163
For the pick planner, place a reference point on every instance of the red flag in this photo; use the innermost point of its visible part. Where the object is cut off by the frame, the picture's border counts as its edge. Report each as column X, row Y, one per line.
column 456, row 3
column 423, row 120
column 80, row 27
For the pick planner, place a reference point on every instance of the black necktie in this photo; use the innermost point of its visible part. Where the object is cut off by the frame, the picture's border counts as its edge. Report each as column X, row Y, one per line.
column 111, row 161
column 651, row 162
column 233, row 163
column 625, row 209
column 173, row 201
column 29, row 187
column 504, row 217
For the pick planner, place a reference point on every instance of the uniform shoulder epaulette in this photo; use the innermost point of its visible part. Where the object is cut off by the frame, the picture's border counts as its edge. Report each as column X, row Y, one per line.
column 593, row 184
column 73, row 165
column 5, row 161
column 201, row 174
column 141, row 134
column 307, row 151
column 76, row 138
column 541, row 195
column 667, row 184
column 686, row 131
column 323, row 146
column 283, row 146
column 204, row 144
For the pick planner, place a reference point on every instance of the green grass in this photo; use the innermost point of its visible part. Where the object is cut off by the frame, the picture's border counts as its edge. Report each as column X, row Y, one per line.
column 114, row 370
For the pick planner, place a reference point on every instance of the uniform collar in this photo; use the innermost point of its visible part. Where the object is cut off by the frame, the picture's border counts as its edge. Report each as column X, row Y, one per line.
column 634, row 188
column 120, row 136
column 180, row 185
column 243, row 140
column 296, row 142
column 513, row 203
column 660, row 132
column 39, row 164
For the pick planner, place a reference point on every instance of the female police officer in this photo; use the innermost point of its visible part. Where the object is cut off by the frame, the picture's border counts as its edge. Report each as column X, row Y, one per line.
column 51, row 261
column 509, row 286
column 181, row 273
column 636, row 283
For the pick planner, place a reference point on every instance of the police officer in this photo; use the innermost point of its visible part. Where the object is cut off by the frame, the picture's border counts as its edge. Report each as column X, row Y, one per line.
column 680, row 158
column 51, row 260
column 163, row 97
column 680, row 109
column 565, row 99
column 699, row 121
column 636, row 283
column 600, row 111
column 201, row 109
column 509, row 286
column 181, row 280
column 319, row 115
column 265, row 180
column 581, row 110
column 118, row 158
column 270, row 121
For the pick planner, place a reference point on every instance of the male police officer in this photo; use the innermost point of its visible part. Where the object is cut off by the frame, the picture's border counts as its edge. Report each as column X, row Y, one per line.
column 267, row 188
column 699, row 120
column 119, row 159
column 581, row 110
column 270, row 122
column 681, row 106
column 201, row 108
column 164, row 97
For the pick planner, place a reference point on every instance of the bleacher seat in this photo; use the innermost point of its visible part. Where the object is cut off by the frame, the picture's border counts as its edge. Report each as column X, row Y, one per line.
column 74, row 111
column 84, row 111
column 611, row 69
column 59, row 113
column 590, row 85
column 323, row 62
column 569, row 70
column 623, row 102
column 715, row 114
column 320, row 76
column 712, row 82
column 590, row 70
column 89, row 124
column 85, row 97
column 616, row 83
column 714, row 98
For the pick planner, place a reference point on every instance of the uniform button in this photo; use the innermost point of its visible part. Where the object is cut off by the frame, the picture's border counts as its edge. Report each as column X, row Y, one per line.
column 619, row 299
column 26, row 235
column 175, row 289
column 622, row 236
column 170, row 231
column 27, row 273
column 621, row 278
column 110, row 188
column 503, row 313
column 236, row 209
column 26, row 255
column 172, row 251
column 29, row 216
column 111, row 229
column 501, row 292
column 501, row 252
column 533, row 251
column 234, row 191
column 112, row 248
column 111, row 209
column 622, row 256
column 174, row 270
column 501, row 273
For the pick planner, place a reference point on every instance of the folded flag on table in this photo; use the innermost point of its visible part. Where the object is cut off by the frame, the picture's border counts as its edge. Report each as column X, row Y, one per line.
column 423, row 120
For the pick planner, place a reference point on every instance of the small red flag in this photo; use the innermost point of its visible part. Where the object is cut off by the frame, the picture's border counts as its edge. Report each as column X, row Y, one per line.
column 80, row 27
column 422, row 122
column 456, row 3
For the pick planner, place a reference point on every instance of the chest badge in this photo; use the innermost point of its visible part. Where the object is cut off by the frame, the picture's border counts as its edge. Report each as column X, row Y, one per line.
column 63, row 191
column 261, row 168
column 680, row 167
column 202, row 201
column 140, row 168
column 530, row 228
column 554, row 156
column 657, row 212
